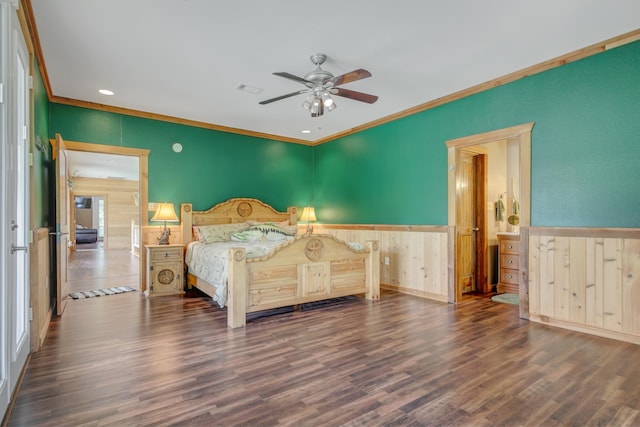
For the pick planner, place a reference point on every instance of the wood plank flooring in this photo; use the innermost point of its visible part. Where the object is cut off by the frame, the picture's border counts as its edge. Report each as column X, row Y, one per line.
column 129, row 360
column 98, row 268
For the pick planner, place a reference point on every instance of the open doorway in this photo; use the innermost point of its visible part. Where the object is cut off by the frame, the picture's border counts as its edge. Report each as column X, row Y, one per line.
column 109, row 187
column 105, row 188
column 519, row 137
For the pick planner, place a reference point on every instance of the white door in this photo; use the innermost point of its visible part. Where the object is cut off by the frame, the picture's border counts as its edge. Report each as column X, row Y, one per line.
column 14, row 285
column 63, row 207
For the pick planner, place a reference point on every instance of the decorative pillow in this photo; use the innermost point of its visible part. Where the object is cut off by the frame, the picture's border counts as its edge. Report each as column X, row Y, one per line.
column 218, row 232
column 247, row 236
column 283, row 227
column 271, row 232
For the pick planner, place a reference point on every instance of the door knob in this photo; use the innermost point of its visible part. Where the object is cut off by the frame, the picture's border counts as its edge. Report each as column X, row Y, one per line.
column 475, row 229
column 15, row 248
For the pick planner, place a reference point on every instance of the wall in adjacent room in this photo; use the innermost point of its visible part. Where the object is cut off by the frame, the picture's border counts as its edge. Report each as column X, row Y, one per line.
column 120, row 208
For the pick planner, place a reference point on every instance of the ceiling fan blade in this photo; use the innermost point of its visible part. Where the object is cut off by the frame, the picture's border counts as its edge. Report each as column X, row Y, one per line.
column 352, row 94
column 278, row 98
column 294, row 78
column 350, row 77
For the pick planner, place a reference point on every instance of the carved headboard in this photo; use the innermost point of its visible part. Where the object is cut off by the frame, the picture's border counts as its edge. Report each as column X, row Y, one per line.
column 232, row 211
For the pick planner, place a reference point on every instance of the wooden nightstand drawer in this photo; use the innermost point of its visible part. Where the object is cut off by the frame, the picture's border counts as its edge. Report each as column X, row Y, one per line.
column 167, row 254
column 509, row 276
column 508, row 261
column 509, row 246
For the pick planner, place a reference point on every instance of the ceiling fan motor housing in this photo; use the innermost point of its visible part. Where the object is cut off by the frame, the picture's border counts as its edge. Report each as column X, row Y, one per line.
column 318, row 76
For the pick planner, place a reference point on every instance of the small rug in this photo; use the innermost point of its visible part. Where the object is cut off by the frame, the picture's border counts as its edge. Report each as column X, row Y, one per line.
column 101, row 292
column 507, row 298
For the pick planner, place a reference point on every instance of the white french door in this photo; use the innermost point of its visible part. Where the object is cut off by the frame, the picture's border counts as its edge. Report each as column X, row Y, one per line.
column 14, row 215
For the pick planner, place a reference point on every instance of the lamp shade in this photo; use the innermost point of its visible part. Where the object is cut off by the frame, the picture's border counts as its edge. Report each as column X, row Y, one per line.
column 165, row 213
column 308, row 214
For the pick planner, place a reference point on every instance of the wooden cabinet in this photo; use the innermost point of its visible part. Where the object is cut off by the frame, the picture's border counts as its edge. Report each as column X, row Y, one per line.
column 509, row 266
column 165, row 270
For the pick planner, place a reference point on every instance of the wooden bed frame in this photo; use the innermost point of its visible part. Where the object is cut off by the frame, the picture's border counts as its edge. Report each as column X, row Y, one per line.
column 308, row 268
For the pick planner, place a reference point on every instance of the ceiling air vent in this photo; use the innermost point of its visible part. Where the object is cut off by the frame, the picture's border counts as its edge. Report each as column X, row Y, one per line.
column 249, row 89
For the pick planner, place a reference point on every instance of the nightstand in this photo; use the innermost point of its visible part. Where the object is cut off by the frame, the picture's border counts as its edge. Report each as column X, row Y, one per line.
column 165, row 270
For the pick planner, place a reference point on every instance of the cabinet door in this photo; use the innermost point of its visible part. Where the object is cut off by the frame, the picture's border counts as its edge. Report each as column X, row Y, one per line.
column 166, row 278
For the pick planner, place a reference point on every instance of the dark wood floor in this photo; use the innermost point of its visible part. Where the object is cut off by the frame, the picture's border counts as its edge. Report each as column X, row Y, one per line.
column 128, row 360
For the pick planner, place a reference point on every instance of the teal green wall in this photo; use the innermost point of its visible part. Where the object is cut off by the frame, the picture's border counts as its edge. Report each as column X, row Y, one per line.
column 42, row 162
column 212, row 167
column 585, row 150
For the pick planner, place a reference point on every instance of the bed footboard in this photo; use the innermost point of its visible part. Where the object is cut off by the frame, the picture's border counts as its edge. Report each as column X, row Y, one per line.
column 310, row 268
column 373, row 270
column 237, row 289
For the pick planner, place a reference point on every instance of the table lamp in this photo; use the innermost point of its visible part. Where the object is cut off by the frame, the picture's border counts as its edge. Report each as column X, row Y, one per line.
column 309, row 215
column 165, row 213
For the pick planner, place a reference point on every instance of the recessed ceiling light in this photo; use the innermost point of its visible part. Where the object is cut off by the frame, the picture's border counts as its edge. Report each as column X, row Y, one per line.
column 106, row 92
column 306, row 131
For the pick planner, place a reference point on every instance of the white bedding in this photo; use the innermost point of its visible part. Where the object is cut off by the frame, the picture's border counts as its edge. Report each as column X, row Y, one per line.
column 209, row 261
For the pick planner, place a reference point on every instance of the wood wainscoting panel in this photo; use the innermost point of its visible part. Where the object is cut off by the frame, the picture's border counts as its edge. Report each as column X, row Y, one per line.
column 631, row 286
column 39, row 288
column 586, row 283
column 413, row 259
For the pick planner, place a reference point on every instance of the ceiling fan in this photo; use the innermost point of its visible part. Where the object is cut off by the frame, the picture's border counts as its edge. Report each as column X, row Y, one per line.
column 321, row 84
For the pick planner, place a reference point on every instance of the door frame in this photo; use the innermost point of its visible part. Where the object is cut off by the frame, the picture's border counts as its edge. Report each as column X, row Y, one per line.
column 521, row 134
column 143, row 174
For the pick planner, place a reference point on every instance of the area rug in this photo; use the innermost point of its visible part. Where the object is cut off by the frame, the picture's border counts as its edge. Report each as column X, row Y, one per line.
column 507, row 298
column 101, row 292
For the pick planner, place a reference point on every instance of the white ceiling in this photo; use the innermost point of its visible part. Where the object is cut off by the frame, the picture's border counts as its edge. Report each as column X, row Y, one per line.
column 186, row 58
column 102, row 166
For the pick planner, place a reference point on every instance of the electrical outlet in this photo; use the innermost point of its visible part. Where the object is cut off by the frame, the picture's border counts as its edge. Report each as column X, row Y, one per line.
column 387, row 261
column 153, row 207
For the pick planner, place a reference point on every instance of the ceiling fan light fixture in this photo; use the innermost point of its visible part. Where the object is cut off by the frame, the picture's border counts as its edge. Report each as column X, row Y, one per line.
column 317, row 106
column 307, row 102
column 328, row 102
